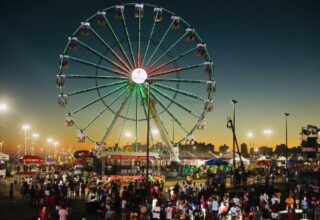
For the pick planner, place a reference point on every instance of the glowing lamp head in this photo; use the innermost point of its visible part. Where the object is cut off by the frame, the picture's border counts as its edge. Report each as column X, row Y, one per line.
column 3, row 107
column 139, row 75
column 26, row 127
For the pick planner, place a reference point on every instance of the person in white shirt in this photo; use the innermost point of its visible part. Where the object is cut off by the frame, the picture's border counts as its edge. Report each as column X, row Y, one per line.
column 156, row 212
column 168, row 211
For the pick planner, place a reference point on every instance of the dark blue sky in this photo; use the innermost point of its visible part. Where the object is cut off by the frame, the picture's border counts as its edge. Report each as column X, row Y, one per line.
column 266, row 53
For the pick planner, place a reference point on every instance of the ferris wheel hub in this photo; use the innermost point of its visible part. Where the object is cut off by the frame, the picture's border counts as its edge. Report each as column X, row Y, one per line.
column 139, row 75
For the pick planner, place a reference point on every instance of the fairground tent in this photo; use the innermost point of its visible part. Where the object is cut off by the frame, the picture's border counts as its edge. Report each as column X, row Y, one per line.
column 4, row 157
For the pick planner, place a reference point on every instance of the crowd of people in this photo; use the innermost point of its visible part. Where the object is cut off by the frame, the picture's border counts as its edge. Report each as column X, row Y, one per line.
column 54, row 194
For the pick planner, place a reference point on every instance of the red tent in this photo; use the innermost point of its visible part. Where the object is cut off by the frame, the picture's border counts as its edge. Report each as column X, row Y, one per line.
column 264, row 162
column 31, row 159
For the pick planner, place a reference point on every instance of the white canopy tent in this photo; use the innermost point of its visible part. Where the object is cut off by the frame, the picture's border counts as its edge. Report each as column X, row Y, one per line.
column 4, row 157
column 244, row 160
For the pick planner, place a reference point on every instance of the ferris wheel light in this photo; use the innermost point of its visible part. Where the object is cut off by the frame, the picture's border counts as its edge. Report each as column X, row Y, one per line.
column 139, row 75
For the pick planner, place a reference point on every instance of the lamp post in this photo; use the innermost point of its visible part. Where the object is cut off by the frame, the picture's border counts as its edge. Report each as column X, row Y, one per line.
column 234, row 102
column 128, row 135
column 49, row 141
column 25, row 128
column 34, row 138
column 55, row 144
column 286, row 115
column 250, row 136
column 267, row 133
column 148, row 143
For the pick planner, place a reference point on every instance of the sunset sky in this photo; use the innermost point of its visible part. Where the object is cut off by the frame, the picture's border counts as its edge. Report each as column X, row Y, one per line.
column 266, row 55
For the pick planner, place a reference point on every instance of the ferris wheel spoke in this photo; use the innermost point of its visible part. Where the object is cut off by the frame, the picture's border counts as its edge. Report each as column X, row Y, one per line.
column 109, row 48
column 125, row 119
column 114, row 119
column 179, row 80
column 104, row 57
column 160, row 42
column 151, row 70
column 168, row 111
column 98, row 99
column 175, row 102
column 97, row 66
column 96, row 87
column 118, row 42
column 149, row 40
column 175, row 70
column 128, row 37
column 94, row 77
column 105, row 108
column 179, row 91
column 169, row 49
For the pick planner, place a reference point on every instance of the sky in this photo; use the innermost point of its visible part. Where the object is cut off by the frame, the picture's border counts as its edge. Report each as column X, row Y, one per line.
column 266, row 55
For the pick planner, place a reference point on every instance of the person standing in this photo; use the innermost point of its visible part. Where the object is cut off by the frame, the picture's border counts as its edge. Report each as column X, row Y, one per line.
column 304, row 207
column 63, row 213
column 11, row 192
column 168, row 212
column 156, row 211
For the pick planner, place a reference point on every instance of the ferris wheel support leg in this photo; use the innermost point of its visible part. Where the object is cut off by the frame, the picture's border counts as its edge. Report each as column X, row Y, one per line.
column 163, row 131
column 168, row 111
column 125, row 119
column 114, row 120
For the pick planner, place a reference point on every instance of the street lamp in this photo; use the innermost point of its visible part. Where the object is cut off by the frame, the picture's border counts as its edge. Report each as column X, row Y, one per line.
column 267, row 133
column 155, row 131
column 34, row 138
column 250, row 136
column 49, row 141
column 55, row 148
column 234, row 102
column 25, row 127
column 286, row 115
column 3, row 107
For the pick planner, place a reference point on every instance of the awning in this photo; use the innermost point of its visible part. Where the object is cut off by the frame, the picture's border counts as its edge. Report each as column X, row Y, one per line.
column 31, row 159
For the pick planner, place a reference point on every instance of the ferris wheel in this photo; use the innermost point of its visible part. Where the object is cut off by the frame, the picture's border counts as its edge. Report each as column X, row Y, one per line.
column 125, row 55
